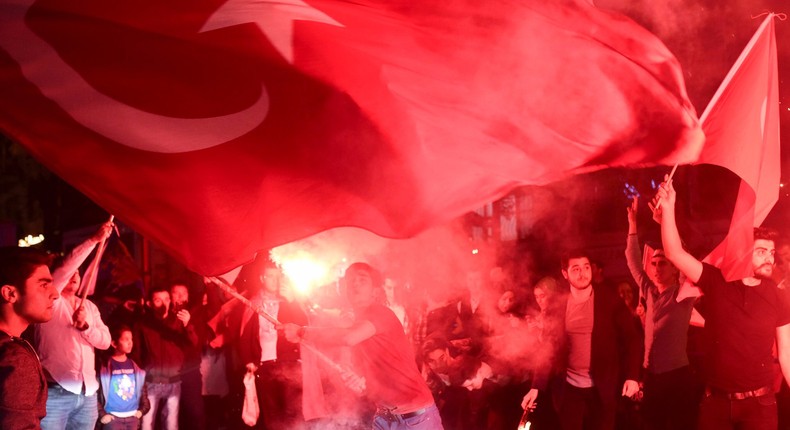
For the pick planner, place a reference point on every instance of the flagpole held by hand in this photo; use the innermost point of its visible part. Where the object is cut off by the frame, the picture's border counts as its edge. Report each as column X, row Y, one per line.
column 90, row 274
column 655, row 205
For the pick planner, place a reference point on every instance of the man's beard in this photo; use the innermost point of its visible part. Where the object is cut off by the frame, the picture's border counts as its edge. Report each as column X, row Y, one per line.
column 759, row 272
column 582, row 284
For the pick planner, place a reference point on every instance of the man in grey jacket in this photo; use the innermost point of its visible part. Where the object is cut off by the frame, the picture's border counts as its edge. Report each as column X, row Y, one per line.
column 669, row 401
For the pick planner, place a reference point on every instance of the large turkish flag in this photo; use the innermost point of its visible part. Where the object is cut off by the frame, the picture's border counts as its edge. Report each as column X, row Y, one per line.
column 220, row 128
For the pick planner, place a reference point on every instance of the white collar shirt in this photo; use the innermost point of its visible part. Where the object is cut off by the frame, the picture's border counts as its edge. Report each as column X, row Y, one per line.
column 67, row 353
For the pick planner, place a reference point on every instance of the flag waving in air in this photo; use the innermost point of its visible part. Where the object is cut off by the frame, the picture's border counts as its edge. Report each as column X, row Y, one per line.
column 218, row 128
column 741, row 124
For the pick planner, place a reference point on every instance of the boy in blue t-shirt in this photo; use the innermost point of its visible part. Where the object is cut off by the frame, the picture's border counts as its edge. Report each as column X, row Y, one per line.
column 122, row 395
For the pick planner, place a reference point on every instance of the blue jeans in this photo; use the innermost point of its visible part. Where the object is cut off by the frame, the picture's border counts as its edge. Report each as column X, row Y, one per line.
column 69, row 411
column 128, row 423
column 170, row 394
column 430, row 420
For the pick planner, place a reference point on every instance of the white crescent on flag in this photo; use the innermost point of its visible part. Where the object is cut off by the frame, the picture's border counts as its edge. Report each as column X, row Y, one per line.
column 129, row 126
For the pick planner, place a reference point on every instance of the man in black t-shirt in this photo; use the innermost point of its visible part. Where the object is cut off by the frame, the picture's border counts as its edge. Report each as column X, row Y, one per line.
column 743, row 318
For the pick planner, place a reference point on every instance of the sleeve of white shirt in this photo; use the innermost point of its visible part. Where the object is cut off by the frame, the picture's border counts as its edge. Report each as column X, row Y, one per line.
column 97, row 333
column 72, row 263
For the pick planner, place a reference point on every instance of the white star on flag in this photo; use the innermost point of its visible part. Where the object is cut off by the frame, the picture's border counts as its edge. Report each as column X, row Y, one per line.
column 274, row 18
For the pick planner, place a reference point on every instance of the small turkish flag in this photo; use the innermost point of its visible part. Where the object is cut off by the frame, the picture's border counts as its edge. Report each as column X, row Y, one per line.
column 742, row 128
column 741, row 123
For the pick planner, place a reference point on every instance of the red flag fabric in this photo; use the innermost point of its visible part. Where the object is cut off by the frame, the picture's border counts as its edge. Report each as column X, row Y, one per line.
column 741, row 124
column 219, row 128
column 88, row 282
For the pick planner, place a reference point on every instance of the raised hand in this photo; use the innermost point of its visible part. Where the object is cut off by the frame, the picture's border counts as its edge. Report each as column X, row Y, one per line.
column 632, row 210
column 665, row 197
column 103, row 232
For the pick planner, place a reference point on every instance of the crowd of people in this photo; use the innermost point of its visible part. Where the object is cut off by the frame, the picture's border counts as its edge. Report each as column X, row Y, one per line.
column 570, row 352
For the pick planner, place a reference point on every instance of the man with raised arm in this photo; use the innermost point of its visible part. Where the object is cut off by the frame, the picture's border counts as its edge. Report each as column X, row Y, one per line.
column 66, row 345
column 743, row 318
column 669, row 401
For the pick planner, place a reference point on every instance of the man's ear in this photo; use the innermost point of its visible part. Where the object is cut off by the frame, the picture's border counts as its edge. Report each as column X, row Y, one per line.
column 9, row 293
column 565, row 274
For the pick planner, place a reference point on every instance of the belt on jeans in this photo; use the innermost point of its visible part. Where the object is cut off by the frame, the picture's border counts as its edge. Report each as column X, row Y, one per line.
column 53, row 384
column 762, row 391
column 416, row 413
column 389, row 412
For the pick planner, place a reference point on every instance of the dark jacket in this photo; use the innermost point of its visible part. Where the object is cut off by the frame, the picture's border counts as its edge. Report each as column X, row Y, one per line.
column 159, row 346
column 616, row 349
column 23, row 389
column 198, row 322
column 141, row 387
column 476, row 325
column 245, row 338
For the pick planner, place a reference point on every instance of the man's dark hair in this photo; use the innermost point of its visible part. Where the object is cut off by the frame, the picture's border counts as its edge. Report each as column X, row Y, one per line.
column 432, row 343
column 179, row 281
column 117, row 331
column 655, row 244
column 766, row 233
column 249, row 278
column 158, row 289
column 566, row 257
column 18, row 264
column 375, row 275
column 269, row 264
column 658, row 245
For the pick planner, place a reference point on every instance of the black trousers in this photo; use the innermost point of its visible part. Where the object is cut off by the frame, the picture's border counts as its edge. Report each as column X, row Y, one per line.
column 583, row 408
column 191, row 412
column 279, row 388
column 671, row 400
